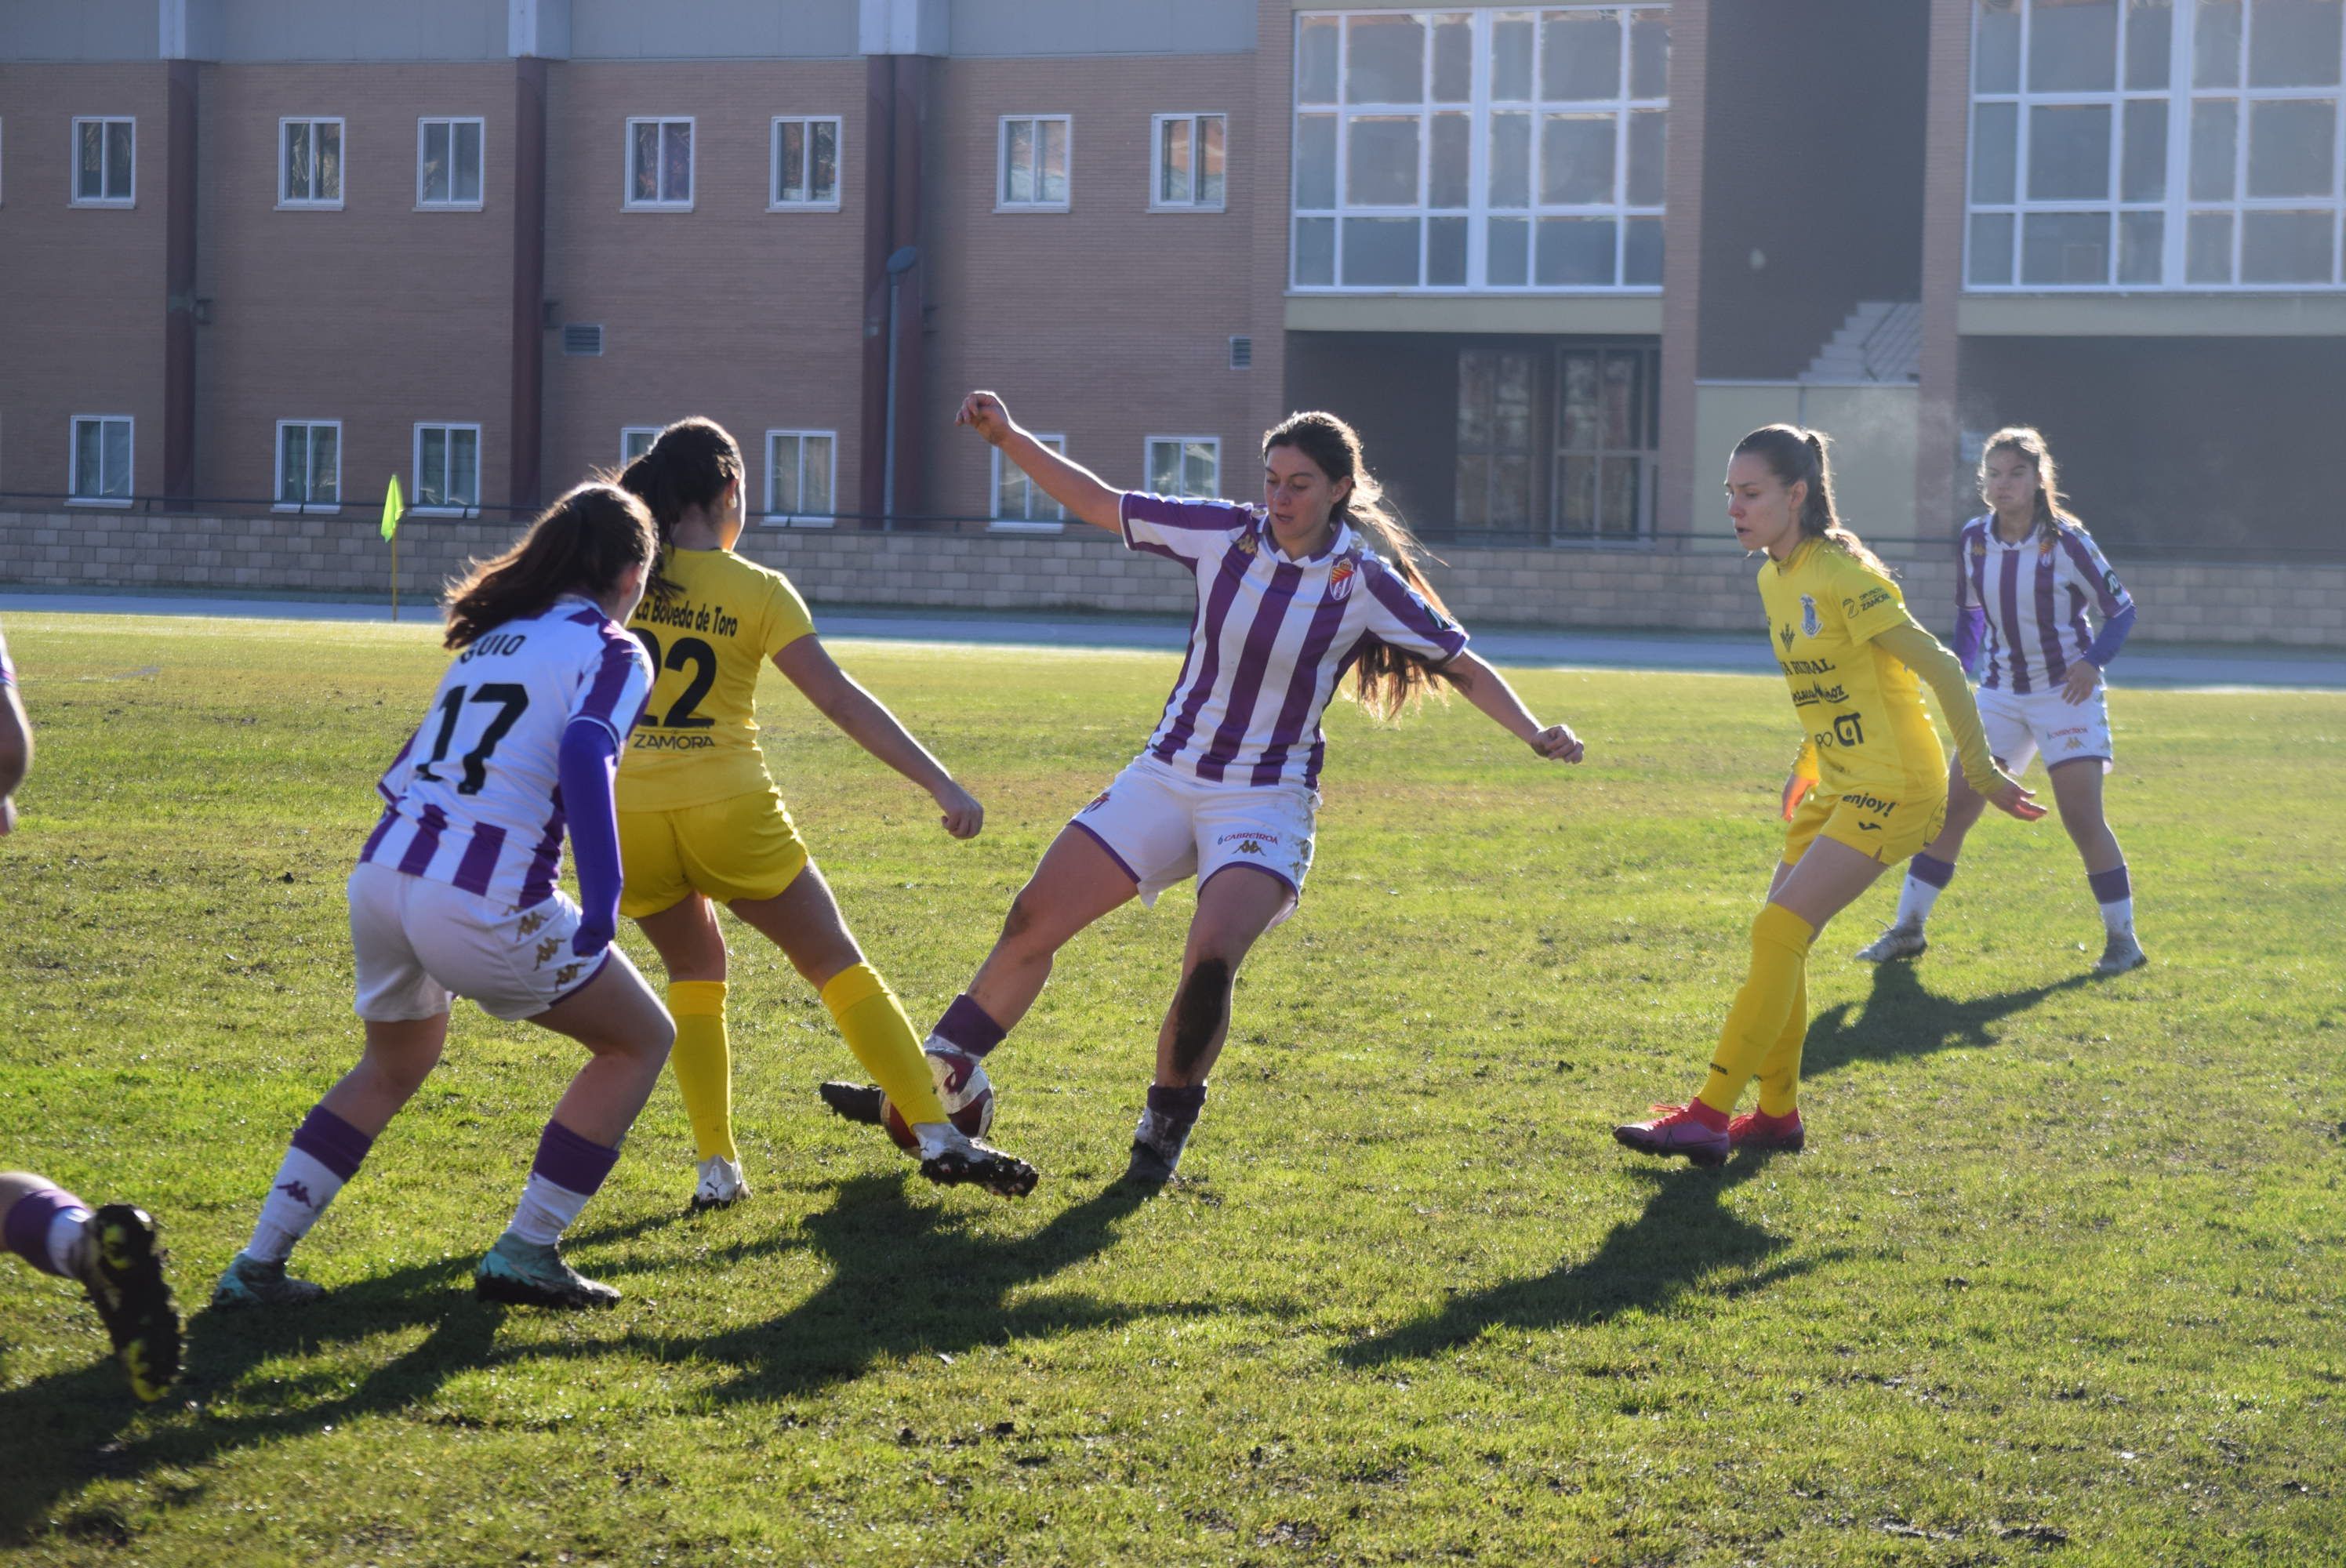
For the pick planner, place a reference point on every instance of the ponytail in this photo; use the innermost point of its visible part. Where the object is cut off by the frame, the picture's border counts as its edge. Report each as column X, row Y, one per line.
column 1795, row 455
column 583, row 543
column 687, row 466
column 1387, row 681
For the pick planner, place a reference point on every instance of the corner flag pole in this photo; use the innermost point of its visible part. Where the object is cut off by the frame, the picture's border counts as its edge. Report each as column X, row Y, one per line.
column 394, row 509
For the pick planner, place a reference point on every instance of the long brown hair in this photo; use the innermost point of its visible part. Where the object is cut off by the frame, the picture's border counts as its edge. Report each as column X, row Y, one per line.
column 1797, row 456
column 2050, row 510
column 1387, row 680
column 687, row 466
column 582, row 544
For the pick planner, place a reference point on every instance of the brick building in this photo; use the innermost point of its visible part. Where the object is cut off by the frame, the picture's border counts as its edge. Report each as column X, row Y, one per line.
column 257, row 256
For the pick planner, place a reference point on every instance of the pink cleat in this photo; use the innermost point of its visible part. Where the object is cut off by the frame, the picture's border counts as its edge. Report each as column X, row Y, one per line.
column 1758, row 1130
column 1679, row 1130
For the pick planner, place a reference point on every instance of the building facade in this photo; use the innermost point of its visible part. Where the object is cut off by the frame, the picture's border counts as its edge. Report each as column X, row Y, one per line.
column 1552, row 260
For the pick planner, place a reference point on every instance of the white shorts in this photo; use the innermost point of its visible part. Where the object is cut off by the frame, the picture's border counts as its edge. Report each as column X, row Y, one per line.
column 1162, row 826
column 2018, row 727
column 419, row 943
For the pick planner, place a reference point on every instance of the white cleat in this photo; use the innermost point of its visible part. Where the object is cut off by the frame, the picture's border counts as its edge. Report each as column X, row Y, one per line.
column 2124, row 953
column 1896, row 941
column 720, row 1186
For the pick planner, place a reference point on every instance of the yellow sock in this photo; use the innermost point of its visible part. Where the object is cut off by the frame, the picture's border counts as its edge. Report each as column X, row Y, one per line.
column 873, row 1023
column 1779, row 958
column 703, row 1063
column 1780, row 1070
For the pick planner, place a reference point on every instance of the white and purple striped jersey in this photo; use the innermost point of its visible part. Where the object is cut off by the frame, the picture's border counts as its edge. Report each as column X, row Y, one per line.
column 8, row 670
column 473, row 798
column 1271, row 637
column 2028, row 602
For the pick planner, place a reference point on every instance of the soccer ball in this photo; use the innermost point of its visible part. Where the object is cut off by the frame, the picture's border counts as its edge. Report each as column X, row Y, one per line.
column 967, row 1094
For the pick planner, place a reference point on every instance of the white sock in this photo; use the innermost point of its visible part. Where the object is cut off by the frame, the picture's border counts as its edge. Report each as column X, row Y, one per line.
column 545, row 1211
column 937, row 1137
column 2119, row 916
column 298, row 1195
column 1915, row 901
column 64, row 1241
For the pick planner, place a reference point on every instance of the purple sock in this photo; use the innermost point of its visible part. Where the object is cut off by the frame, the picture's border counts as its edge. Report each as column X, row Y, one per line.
column 1177, row 1107
column 967, row 1027
column 333, row 1142
column 570, row 1162
column 1930, row 870
column 33, row 1216
column 2110, row 886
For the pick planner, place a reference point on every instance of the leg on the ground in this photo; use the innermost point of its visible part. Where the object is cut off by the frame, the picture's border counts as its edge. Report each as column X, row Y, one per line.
column 2077, row 791
column 1076, row 882
column 1928, row 874
column 692, row 949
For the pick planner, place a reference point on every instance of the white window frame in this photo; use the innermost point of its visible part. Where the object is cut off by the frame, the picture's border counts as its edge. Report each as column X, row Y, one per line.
column 2177, row 206
column 130, row 480
column 772, row 518
column 1001, row 524
column 810, row 202
column 650, row 433
column 1002, row 202
column 285, row 124
column 423, row 125
column 1479, row 107
column 73, row 198
column 277, row 472
column 628, row 200
column 1148, row 462
column 415, row 470
column 1157, row 124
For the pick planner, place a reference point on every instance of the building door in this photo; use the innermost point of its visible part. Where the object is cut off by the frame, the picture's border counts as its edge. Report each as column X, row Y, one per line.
column 1495, row 429
column 1607, row 451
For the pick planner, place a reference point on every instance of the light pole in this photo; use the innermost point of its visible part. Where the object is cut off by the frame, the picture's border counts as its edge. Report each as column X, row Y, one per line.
column 901, row 262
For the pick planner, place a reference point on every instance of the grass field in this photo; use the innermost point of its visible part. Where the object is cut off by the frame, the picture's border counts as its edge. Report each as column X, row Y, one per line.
column 2061, row 1278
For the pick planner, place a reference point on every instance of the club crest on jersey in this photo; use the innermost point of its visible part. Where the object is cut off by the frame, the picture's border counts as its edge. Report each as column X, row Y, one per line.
column 1810, row 625
column 1098, row 801
column 1341, row 576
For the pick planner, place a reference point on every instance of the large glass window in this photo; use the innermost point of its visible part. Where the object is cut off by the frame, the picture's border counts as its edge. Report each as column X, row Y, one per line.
column 799, row 475
column 1495, row 422
column 2125, row 144
column 101, row 459
column 1483, row 149
column 309, row 464
column 1608, row 414
column 447, row 468
column 104, row 166
column 1189, row 466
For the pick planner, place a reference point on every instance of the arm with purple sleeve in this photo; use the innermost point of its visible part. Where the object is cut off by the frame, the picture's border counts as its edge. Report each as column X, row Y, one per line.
column 2110, row 598
column 1176, row 529
column 1970, row 619
column 587, row 765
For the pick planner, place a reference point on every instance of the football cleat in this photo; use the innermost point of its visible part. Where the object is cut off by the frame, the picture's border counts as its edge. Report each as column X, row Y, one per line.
column 1758, row 1130
column 1675, row 1132
column 962, row 1160
column 2122, row 954
column 1896, row 941
column 533, row 1274
column 250, row 1281
column 122, row 1269
column 861, row 1103
column 720, row 1186
column 1157, row 1146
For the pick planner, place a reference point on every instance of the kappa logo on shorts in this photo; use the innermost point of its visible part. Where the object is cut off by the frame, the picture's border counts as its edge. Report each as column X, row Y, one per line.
column 547, row 949
column 1098, row 801
column 530, row 923
column 1869, row 827
column 567, row 973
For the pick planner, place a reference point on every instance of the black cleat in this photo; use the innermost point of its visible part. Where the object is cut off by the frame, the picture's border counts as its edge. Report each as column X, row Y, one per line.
column 1149, row 1167
column 967, row 1162
column 123, row 1273
column 861, row 1102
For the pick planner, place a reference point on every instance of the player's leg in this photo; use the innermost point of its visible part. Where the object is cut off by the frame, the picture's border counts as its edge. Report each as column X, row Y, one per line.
column 1928, row 874
column 112, row 1251
column 1236, row 905
column 2078, row 792
column 627, row 1034
column 1078, row 880
column 691, row 947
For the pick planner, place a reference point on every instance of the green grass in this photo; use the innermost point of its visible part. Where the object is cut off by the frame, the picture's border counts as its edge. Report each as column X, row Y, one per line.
column 2059, row 1280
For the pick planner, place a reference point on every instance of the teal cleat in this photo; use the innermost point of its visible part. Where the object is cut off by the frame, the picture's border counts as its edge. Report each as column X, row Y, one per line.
column 250, row 1281
column 533, row 1274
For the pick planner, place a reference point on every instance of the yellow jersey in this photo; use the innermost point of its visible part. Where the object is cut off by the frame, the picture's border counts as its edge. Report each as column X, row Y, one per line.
column 699, row 739
column 1859, row 709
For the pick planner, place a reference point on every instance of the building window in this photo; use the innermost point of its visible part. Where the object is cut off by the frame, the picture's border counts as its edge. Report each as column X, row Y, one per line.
column 1480, row 150
column 447, row 468
column 1607, row 456
column 1495, row 426
column 309, row 465
column 105, row 171
column 806, row 163
column 2150, row 144
column 448, row 163
column 310, row 163
column 1019, row 503
column 1188, row 161
column 101, row 459
column 659, row 164
column 635, row 440
column 1034, row 162
column 1189, row 466
column 799, row 475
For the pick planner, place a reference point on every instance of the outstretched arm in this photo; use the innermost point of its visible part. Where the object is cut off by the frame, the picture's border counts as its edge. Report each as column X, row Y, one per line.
column 1083, row 492
column 1921, row 652
column 1488, row 690
column 866, row 720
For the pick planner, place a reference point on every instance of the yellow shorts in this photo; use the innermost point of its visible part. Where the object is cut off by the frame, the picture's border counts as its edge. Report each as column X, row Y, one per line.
column 742, row 847
column 1885, row 828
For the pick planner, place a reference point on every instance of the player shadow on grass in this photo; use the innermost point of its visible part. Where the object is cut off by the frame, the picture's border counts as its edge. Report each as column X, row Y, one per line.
column 1901, row 1017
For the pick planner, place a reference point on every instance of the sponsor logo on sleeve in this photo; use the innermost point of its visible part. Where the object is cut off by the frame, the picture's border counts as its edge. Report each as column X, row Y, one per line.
column 1868, row 600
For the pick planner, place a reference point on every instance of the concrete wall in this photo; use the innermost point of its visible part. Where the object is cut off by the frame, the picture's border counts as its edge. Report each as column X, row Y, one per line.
column 1707, row 589
column 1873, row 429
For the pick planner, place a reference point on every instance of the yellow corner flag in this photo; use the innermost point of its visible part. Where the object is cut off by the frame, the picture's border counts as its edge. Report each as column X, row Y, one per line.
column 394, row 508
